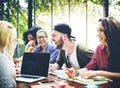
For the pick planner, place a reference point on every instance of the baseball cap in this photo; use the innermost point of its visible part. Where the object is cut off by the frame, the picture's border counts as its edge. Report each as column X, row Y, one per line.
column 64, row 28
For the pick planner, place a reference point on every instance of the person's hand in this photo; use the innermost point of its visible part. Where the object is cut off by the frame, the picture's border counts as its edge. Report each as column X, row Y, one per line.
column 17, row 70
column 70, row 72
column 17, row 60
column 30, row 46
column 89, row 74
column 82, row 71
column 31, row 43
column 53, row 67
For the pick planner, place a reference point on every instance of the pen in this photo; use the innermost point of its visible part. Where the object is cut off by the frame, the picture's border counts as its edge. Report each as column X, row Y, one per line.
column 67, row 69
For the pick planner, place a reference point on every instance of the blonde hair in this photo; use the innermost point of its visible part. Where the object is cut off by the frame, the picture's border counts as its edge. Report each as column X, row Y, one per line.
column 7, row 33
column 39, row 31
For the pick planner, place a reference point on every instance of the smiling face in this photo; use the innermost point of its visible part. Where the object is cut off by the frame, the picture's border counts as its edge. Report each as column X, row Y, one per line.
column 57, row 38
column 42, row 39
column 101, row 35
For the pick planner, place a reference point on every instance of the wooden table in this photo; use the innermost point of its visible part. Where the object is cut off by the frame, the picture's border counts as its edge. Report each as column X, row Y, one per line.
column 69, row 84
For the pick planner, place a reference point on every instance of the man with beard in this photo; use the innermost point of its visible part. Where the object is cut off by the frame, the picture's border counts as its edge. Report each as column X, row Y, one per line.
column 72, row 54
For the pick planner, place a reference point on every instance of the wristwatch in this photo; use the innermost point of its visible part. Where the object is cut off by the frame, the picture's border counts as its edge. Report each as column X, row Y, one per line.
column 76, row 73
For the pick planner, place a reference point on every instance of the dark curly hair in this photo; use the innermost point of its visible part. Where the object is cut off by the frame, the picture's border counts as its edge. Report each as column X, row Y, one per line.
column 31, row 31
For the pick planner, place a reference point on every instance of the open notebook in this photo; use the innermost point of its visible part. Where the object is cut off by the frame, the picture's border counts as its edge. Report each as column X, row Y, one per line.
column 34, row 67
column 94, row 80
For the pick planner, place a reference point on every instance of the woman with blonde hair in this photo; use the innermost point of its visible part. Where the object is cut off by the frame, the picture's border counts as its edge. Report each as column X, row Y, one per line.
column 8, row 42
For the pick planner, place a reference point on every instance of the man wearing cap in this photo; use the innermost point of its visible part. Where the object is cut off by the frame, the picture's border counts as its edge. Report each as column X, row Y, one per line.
column 72, row 54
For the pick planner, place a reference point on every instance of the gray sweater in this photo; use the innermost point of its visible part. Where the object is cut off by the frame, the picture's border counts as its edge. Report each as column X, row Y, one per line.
column 7, row 72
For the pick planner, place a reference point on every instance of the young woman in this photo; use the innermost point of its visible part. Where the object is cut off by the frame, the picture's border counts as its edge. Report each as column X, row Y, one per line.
column 44, row 46
column 105, row 61
column 29, row 38
column 8, row 42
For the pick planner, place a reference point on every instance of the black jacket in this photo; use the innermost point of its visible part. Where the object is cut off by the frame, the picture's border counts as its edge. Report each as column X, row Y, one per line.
column 84, row 55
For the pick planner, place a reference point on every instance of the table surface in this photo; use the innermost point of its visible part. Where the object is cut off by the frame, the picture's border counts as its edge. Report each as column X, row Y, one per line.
column 53, row 81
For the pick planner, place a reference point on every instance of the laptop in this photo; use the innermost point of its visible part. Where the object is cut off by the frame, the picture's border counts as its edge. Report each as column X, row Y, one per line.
column 34, row 67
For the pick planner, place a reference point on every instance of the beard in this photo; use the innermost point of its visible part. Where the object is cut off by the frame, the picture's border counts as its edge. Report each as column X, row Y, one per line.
column 60, row 44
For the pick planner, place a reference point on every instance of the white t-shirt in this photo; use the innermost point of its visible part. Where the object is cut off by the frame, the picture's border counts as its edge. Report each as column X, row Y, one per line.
column 73, row 58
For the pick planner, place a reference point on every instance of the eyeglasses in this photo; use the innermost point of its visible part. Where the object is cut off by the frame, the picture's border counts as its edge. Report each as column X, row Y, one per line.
column 41, row 37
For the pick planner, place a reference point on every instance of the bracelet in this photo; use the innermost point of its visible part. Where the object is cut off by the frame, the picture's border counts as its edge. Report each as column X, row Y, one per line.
column 76, row 73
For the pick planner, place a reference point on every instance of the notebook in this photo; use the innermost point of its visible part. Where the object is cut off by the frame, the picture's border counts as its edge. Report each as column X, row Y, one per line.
column 34, row 67
column 78, row 79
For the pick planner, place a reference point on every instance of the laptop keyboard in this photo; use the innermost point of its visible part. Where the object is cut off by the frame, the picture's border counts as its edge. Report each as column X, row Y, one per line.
column 28, row 76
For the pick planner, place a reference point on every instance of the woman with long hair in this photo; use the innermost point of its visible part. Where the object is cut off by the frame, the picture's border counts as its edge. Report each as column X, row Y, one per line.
column 106, row 59
column 8, row 42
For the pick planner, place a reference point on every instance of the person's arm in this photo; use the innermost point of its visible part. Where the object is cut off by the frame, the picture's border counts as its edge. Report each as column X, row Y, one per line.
column 60, row 59
column 58, row 64
column 53, row 54
column 108, row 74
column 91, row 73
column 7, row 72
column 30, row 46
column 18, row 60
column 53, row 67
column 92, row 65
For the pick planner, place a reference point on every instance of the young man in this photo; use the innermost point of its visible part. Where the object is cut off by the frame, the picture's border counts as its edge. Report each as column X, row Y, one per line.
column 79, row 54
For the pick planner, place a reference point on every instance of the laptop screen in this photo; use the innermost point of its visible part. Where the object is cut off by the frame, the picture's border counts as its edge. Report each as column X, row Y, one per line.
column 35, row 64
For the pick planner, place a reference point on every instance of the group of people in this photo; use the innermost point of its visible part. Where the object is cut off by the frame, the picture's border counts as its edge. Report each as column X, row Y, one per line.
column 29, row 38
column 77, row 57
column 105, row 60
column 36, row 41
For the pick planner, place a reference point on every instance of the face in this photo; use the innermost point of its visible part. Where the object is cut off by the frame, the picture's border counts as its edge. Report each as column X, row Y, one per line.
column 57, row 38
column 101, row 34
column 30, row 37
column 42, row 39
